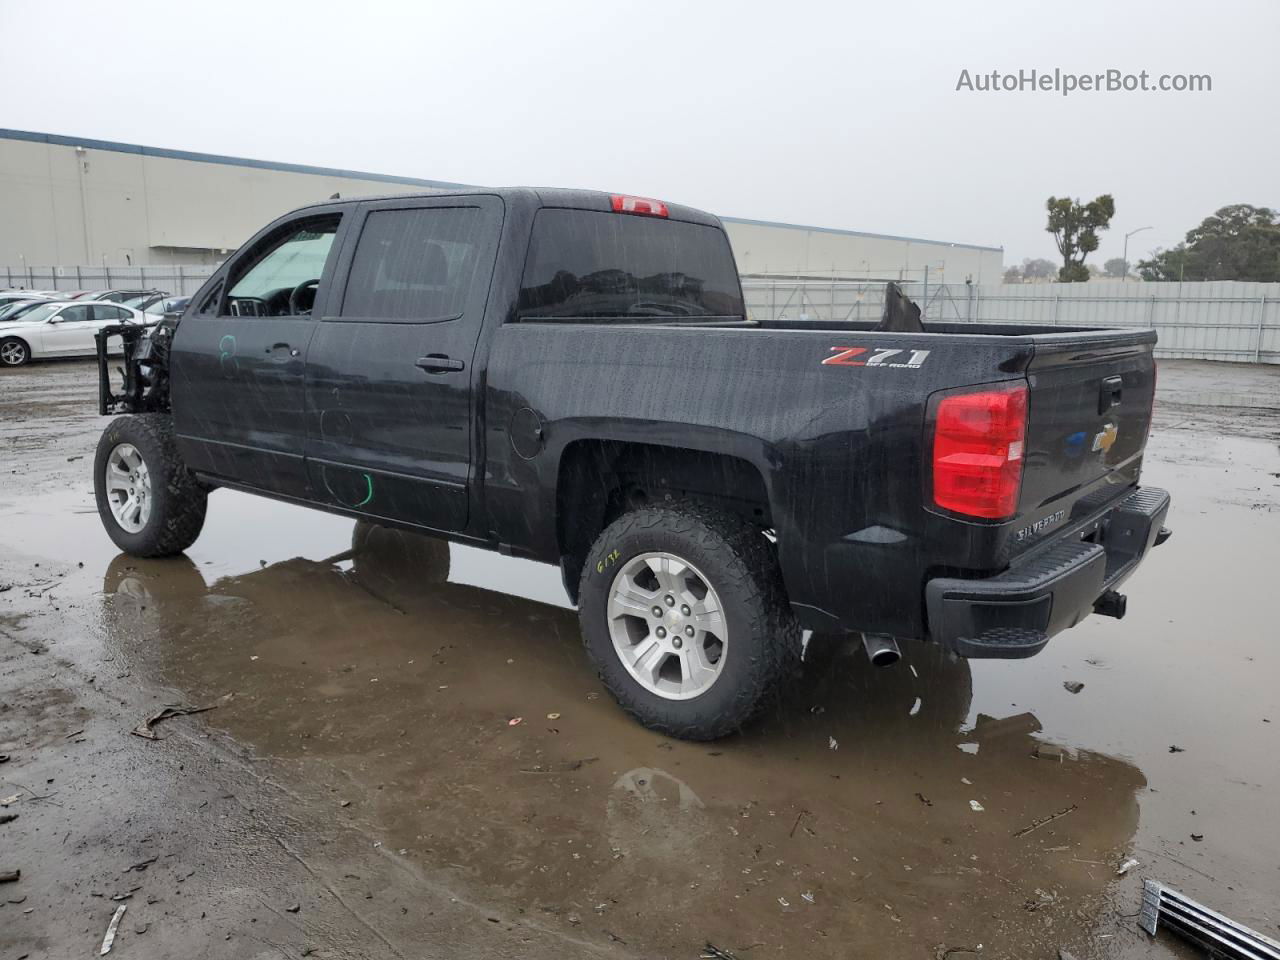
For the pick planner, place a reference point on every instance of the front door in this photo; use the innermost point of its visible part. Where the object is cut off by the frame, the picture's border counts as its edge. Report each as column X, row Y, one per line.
column 70, row 332
column 238, row 360
column 389, row 374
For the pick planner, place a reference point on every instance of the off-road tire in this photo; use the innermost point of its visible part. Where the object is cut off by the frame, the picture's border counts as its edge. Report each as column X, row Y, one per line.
column 763, row 648
column 15, row 342
column 178, row 500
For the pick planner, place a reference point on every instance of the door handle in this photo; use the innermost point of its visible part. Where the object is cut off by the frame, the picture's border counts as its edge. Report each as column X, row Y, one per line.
column 293, row 352
column 1109, row 396
column 439, row 363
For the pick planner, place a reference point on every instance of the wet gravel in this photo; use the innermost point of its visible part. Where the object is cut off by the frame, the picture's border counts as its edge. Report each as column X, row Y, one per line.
column 359, row 763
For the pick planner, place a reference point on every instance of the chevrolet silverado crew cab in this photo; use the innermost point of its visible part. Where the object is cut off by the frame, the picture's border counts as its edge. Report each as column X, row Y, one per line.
column 572, row 377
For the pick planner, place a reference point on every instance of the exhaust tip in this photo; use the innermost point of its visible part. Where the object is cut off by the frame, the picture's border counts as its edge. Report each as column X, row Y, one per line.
column 882, row 650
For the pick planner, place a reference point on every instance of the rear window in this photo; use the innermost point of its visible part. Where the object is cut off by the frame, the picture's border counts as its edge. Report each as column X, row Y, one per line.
column 588, row 265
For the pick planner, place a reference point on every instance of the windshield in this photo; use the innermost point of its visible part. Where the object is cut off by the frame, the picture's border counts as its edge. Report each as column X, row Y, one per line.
column 16, row 308
column 161, row 306
column 41, row 313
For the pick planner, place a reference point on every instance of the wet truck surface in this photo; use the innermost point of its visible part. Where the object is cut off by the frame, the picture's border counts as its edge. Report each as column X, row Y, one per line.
column 572, row 378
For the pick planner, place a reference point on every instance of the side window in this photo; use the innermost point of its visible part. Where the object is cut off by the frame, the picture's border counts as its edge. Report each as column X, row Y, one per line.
column 105, row 311
column 74, row 315
column 280, row 276
column 416, row 265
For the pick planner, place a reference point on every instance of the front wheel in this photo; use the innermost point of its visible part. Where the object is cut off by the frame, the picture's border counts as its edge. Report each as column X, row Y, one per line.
column 684, row 614
column 14, row 352
column 150, row 504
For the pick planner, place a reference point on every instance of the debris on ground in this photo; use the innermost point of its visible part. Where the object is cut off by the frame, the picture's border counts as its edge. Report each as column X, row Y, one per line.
column 712, row 952
column 1040, row 822
column 1197, row 837
column 515, row 721
column 4, row 758
column 112, row 927
column 8, row 817
column 6, row 801
column 141, row 865
column 553, row 716
column 1072, row 686
column 293, row 908
column 168, row 712
column 1051, row 751
column 808, row 898
column 976, row 807
column 833, row 743
column 10, row 876
column 1126, row 867
column 1174, row 748
column 923, row 799
column 1217, row 933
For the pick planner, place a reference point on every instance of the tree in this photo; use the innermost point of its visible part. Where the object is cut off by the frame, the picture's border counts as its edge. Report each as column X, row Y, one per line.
column 1166, row 265
column 1239, row 242
column 1038, row 269
column 1013, row 275
column 1075, row 227
column 1116, row 267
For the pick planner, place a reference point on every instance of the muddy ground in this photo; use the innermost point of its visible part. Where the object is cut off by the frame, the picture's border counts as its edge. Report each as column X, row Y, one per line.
column 358, row 789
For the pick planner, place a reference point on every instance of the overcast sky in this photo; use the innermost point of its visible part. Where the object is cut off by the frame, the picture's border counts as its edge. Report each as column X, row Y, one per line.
column 838, row 114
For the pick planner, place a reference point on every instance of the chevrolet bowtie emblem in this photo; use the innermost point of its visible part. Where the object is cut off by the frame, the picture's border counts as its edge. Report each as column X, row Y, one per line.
column 1106, row 438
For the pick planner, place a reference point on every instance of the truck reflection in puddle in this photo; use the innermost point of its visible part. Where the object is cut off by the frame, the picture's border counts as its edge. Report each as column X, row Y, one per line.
column 841, row 823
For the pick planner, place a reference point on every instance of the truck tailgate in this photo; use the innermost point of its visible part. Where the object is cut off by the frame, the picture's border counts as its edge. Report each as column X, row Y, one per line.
column 1089, row 410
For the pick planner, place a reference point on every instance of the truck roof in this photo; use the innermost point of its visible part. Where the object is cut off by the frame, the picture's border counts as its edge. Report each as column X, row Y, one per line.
column 531, row 196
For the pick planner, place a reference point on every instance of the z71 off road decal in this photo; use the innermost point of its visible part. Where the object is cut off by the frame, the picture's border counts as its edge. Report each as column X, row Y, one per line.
column 899, row 359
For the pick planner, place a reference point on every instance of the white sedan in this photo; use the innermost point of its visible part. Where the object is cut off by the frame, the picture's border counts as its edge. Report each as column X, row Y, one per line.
column 62, row 329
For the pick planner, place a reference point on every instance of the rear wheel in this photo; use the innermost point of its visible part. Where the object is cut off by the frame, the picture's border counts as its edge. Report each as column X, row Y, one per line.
column 150, row 504
column 684, row 614
column 14, row 352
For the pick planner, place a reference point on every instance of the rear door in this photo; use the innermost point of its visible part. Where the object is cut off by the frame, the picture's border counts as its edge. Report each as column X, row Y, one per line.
column 390, row 372
column 1089, row 410
column 238, row 361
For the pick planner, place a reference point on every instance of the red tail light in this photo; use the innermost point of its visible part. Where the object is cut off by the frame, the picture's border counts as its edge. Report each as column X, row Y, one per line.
column 643, row 205
column 977, row 452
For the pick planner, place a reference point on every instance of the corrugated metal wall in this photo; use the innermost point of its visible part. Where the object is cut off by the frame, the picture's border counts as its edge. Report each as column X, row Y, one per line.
column 1222, row 320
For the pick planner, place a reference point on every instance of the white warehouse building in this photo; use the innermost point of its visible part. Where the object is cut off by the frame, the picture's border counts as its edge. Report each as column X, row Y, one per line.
column 66, row 200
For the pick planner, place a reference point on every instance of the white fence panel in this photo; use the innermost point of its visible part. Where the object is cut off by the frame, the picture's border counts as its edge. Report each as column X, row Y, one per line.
column 1220, row 320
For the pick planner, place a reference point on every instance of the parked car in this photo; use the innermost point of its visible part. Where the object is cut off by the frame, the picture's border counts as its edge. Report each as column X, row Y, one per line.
column 572, row 377
column 13, row 309
column 61, row 328
column 166, row 306
column 127, row 297
column 8, row 295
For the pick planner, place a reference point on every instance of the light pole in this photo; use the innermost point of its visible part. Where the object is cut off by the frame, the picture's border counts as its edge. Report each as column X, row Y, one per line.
column 1125, row 256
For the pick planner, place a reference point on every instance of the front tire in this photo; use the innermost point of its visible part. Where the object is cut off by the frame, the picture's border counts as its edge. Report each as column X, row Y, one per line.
column 684, row 613
column 14, row 352
column 150, row 504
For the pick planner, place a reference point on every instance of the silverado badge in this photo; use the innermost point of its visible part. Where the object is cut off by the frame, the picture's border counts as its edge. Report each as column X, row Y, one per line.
column 1106, row 438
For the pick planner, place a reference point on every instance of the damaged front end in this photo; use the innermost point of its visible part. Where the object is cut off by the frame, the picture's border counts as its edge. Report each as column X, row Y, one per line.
column 144, row 374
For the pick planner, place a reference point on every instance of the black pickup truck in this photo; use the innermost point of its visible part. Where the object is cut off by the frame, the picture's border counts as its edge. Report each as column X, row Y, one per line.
column 572, row 377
